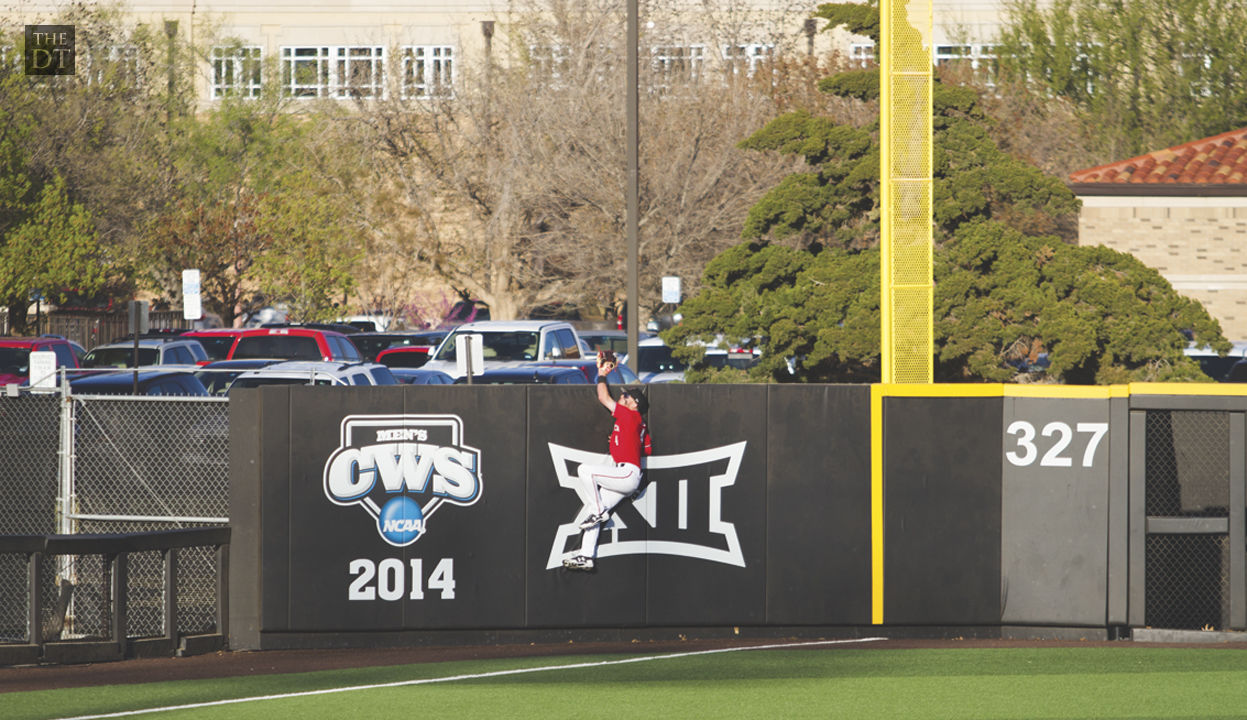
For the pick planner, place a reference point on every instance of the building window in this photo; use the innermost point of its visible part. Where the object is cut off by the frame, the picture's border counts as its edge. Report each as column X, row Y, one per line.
column 953, row 56
column 305, row 71
column 358, row 72
column 674, row 63
column 332, row 72
column 428, row 71
column 550, row 62
column 236, row 72
column 979, row 60
column 985, row 63
column 115, row 66
column 862, row 55
column 744, row 60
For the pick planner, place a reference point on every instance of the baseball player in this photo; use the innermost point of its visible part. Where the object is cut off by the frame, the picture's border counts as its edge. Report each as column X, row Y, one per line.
column 601, row 487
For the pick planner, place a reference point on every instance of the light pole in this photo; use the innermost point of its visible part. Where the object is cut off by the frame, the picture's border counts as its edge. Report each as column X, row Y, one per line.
column 632, row 312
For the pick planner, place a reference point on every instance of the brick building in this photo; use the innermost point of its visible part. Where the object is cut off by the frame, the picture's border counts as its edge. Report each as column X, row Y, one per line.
column 1183, row 211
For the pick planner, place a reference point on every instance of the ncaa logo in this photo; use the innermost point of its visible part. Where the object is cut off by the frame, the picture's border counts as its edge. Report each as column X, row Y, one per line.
column 400, row 469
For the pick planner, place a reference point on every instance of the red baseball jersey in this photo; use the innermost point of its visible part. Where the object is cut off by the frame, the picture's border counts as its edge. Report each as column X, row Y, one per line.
column 626, row 435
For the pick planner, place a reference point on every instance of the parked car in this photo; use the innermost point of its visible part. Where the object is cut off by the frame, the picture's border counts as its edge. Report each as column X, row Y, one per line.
column 151, row 351
column 304, row 372
column 421, row 376
column 743, row 359
column 15, row 356
column 294, row 343
column 216, row 376
column 510, row 343
column 155, row 334
column 216, row 341
column 614, row 340
column 528, row 375
column 1237, row 373
column 151, row 381
column 409, row 357
column 656, row 364
column 368, row 323
column 78, row 350
column 1215, row 366
column 344, row 328
column 621, row 375
column 372, row 343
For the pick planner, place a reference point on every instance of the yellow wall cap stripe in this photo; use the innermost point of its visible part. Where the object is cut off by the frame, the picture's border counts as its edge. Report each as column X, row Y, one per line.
column 1188, row 389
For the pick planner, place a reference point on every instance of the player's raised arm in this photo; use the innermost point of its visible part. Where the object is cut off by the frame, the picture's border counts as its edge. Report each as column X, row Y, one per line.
column 606, row 363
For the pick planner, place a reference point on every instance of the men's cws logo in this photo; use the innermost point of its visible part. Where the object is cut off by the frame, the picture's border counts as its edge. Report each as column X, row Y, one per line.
column 401, row 469
column 681, row 505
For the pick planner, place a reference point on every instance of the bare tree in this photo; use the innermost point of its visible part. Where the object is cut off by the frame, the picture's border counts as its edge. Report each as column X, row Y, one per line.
column 512, row 189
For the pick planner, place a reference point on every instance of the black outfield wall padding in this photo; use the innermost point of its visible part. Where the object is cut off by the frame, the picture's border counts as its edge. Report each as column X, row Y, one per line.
column 349, row 562
column 364, row 515
column 709, row 492
column 817, row 505
column 436, row 508
column 942, row 510
column 566, row 425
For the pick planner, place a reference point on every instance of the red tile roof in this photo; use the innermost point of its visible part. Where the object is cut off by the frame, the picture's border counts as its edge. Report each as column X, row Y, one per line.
column 1218, row 160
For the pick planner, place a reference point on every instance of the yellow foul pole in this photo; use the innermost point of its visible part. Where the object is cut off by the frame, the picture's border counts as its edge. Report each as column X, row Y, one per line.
column 906, row 285
column 905, row 174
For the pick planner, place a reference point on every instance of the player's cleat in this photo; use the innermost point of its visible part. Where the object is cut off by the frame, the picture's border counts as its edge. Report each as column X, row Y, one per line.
column 595, row 520
column 580, row 562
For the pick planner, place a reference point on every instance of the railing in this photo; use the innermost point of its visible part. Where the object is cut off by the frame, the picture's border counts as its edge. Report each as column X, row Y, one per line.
column 45, row 640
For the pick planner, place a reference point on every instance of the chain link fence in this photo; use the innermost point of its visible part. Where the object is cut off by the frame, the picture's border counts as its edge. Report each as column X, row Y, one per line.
column 134, row 464
column 1188, row 476
column 29, row 444
column 1188, row 463
column 1187, row 581
column 153, row 464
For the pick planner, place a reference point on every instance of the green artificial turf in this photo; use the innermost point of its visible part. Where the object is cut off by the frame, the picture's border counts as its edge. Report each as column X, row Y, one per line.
column 1095, row 682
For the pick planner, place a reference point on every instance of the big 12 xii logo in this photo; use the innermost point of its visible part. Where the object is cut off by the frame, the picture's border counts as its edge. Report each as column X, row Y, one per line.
column 400, row 469
column 679, row 512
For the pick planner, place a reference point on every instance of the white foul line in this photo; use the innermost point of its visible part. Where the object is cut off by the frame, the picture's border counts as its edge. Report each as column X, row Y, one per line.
column 474, row 676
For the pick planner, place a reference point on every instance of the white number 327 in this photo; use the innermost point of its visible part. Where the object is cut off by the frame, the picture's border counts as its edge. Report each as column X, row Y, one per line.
column 1060, row 437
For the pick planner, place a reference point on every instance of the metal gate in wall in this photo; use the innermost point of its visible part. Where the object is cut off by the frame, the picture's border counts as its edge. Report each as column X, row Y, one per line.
column 1188, row 488
column 151, row 463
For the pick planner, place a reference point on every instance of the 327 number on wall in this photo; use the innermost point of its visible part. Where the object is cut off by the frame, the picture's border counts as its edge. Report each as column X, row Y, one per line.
column 1060, row 444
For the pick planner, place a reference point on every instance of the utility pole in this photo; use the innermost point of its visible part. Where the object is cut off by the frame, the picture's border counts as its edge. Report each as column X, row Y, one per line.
column 633, row 308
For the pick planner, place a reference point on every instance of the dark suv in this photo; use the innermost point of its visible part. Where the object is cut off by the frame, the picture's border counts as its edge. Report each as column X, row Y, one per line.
column 294, row 343
column 15, row 356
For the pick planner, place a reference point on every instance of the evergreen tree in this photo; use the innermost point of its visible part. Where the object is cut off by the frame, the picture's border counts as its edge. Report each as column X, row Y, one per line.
column 1010, row 289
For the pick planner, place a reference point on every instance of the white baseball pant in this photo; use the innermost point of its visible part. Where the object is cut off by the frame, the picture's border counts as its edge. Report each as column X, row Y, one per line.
column 601, row 488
